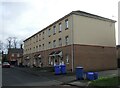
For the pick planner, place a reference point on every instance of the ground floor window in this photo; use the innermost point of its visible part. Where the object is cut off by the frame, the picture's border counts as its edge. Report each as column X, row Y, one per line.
column 67, row 59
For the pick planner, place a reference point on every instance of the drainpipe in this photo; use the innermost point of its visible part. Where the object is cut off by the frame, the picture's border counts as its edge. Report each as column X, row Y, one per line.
column 72, row 46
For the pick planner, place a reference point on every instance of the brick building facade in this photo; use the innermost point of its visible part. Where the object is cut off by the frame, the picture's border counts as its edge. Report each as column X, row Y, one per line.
column 77, row 39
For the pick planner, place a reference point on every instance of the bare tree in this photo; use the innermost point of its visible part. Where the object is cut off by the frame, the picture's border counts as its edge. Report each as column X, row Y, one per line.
column 9, row 40
column 15, row 42
column 1, row 46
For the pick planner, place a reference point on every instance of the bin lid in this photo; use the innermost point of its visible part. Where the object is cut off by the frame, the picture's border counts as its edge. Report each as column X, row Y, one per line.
column 79, row 67
column 90, row 72
column 56, row 65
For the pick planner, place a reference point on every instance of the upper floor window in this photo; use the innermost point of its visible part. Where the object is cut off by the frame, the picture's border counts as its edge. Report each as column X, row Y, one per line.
column 54, row 30
column 66, row 24
column 49, row 32
column 60, row 27
column 36, row 38
column 66, row 40
column 43, row 35
column 49, row 45
column 54, row 43
column 36, row 48
column 43, row 46
column 39, row 37
column 60, row 42
column 39, row 47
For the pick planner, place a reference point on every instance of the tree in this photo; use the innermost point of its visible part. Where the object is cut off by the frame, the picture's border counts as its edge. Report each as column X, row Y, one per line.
column 9, row 40
column 15, row 42
column 1, row 46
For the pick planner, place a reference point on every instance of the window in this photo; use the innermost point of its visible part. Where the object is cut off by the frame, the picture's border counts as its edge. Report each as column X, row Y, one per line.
column 36, row 38
column 66, row 40
column 67, row 59
column 18, row 55
column 43, row 46
column 54, row 30
column 66, row 24
column 60, row 42
column 36, row 48
column 39, row 37
column 39, row 47
column 49, row 45
column 60, row 27
column 43, row 35
column 12, row 54
column 49, row 30
column 54, row 43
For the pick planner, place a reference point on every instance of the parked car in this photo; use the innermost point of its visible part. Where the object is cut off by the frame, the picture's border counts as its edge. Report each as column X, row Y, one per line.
column 6, row 65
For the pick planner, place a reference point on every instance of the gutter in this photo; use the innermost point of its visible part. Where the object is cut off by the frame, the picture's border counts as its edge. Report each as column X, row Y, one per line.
column 72, row 46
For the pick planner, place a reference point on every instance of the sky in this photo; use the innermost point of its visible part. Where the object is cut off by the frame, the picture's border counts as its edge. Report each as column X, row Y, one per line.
column 23, row 18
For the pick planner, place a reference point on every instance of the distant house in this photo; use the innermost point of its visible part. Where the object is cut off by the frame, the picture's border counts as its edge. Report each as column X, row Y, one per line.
column 14, row 55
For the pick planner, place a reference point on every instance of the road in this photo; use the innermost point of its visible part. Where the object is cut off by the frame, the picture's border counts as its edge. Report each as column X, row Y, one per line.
column 15, row 77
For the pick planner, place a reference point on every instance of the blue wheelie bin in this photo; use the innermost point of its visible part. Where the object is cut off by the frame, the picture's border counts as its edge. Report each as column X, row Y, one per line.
column 90, row 75
column 95, row 75
column 79, row 73
column 57, row 69
column 63, row 69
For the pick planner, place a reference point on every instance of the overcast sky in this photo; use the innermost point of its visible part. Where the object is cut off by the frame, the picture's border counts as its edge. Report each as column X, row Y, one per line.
column 23, row 18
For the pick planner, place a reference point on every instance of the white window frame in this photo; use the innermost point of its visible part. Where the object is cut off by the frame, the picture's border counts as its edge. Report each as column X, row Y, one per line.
column 60, row 27
column 66, row 23
column 39, row 37
column 43, row 46
column 67, row 59
column 39, row 47
column 54, row 30
column 43, row 33
column 49, row 32
column 49, row 45
column 54, row 43
column 60, row 41
column 67, row 40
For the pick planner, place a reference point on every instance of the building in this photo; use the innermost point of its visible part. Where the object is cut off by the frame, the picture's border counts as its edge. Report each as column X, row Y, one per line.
column 77, row 39
column 118, row 57
column 0, row 57
column 14, row 55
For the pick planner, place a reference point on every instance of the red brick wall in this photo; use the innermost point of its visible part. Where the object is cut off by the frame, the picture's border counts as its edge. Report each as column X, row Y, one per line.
column 95, row 57
column 90, row 57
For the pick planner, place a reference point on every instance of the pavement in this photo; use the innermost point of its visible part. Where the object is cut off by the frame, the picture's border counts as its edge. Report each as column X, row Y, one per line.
column 69, row 78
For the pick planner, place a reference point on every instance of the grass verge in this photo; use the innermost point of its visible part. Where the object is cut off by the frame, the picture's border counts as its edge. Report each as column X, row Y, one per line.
column 106, row 81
